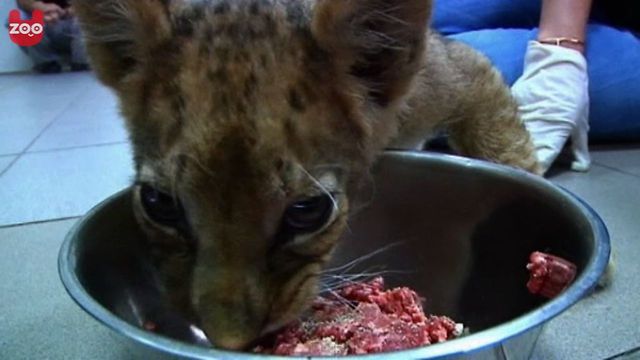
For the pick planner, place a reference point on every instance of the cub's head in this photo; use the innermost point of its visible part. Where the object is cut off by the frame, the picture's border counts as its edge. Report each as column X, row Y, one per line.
column 252, row 122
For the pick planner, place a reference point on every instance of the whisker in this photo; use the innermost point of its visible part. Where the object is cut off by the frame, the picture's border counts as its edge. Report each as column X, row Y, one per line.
column 339, row 281
column 341, row 299
column 348, row 226
column 365, row 202
column 321, row 187
column 350, row 265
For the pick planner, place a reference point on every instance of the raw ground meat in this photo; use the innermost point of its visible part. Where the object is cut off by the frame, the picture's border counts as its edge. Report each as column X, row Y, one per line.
column 549, row 275
column 363, row 318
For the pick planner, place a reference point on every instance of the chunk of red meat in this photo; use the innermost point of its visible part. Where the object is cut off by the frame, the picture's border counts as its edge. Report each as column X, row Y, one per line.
column 549, row 275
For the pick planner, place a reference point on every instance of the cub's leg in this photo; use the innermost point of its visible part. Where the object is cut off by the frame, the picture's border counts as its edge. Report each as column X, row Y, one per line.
column 487, row 124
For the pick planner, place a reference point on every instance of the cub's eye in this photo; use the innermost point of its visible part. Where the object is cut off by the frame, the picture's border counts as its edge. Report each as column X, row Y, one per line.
column 308, row 215
column 159, row 206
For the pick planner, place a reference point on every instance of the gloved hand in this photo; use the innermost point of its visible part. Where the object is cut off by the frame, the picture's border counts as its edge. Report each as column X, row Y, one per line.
column 553, row 99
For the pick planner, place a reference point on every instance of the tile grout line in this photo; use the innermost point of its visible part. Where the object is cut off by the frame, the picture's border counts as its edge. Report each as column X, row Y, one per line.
column 10, row 164
column 26, row 149
column 55, row 118
column 17, row 156
column 37, row 222
column 624, row 353
column 76, row 147
column 616, row 169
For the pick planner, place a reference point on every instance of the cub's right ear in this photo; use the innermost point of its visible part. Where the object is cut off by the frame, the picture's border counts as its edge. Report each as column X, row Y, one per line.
column 121, row 35
column 379, row 42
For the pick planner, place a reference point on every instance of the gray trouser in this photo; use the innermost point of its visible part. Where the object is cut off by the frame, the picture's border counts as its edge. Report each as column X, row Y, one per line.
column 61, row 41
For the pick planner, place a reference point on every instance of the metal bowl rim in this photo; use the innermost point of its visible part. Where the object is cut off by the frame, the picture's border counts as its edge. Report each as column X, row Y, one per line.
column 471, row 343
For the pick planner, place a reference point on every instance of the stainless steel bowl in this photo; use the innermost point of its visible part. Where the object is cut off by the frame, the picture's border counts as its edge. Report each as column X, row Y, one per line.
column 458, row 231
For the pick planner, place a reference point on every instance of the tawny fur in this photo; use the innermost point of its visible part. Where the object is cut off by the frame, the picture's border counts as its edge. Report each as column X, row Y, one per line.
column 239, row 108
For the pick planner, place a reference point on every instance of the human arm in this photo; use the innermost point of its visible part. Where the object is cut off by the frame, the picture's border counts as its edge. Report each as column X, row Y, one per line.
column 565, row 18
column 52, row 12
column 553, row 91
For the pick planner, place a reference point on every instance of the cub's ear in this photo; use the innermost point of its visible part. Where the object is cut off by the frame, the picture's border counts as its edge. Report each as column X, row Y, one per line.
column 380, row 42
column 122, row 34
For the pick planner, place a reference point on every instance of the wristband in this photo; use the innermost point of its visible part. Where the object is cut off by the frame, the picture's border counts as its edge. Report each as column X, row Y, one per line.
column 558, row 41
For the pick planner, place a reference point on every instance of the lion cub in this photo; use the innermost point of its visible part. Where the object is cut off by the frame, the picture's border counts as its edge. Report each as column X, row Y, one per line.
column 252, row 122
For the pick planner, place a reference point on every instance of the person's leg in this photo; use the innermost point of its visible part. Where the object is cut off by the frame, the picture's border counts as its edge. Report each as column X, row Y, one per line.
column 78, row 50
column 46, row 55
column 75, row 45
column 457, row 16
column 614, row 84
column 614, row 73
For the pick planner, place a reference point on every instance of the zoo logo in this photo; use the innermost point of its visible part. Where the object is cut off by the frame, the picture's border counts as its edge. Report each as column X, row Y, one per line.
column 26, row 32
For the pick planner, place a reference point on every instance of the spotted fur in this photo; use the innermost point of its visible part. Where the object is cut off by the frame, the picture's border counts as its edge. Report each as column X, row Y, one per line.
column 240, row 108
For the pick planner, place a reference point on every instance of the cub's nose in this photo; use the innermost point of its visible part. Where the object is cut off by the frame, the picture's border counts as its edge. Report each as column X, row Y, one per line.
column 231, row 342
column 232, row 325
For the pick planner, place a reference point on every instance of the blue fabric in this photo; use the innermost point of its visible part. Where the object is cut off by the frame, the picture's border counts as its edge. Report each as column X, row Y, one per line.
column 501, row 29
column 457, row 16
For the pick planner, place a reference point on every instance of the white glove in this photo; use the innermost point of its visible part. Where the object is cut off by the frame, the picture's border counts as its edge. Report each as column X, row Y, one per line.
column 553, row 99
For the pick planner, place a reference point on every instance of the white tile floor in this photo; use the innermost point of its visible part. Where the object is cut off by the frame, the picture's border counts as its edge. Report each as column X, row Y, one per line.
column 64, row 182
column 5, row 161
column 63, row 149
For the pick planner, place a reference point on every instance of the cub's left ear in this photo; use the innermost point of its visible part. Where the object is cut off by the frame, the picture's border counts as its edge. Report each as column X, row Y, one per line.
column 122, row 35
column 380, row 42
